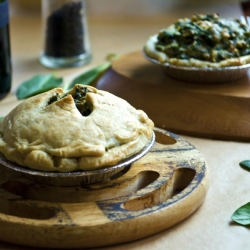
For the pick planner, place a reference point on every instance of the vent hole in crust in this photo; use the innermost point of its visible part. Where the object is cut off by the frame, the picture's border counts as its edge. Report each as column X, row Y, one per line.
column 84, row 107
column 81, row 103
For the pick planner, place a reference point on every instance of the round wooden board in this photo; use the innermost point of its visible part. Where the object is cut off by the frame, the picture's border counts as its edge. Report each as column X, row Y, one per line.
column 218, row 111
column 158, row 191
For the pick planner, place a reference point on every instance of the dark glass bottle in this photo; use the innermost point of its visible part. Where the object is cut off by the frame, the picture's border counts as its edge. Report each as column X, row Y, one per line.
column 5, row 58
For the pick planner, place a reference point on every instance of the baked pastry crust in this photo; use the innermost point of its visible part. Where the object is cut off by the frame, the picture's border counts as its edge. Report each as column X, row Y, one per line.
column 55, row 136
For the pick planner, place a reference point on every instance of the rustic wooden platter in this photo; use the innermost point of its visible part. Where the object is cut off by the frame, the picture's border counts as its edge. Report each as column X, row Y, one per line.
column 158, row 191
column 220, row 111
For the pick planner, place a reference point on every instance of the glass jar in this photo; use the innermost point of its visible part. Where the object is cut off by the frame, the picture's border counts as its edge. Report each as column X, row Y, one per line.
column 65, row 34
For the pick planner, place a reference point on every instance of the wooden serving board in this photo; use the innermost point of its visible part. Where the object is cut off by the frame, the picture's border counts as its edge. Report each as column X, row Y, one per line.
column 160, row 190
column 220, row 111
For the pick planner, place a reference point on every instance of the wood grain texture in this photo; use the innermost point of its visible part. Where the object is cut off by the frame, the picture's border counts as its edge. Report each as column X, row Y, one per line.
column 158, row 191
column 220, row 111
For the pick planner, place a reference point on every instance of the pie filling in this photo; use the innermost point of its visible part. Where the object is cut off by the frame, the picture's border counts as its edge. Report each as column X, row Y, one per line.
column 79, row 96
column 207, row 38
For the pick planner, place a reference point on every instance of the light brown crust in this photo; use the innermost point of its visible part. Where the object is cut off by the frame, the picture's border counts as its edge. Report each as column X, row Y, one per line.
column 57, row 137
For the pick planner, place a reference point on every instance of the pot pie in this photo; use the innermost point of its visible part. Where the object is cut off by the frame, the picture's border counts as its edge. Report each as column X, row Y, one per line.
column 202, row 41
column 83, row 129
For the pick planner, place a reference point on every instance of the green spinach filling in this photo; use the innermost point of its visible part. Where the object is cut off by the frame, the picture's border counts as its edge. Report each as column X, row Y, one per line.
column 82, row 105
column 205, row 37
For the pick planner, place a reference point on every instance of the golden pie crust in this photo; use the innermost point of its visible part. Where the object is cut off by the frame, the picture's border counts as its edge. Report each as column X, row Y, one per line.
column 57, row 137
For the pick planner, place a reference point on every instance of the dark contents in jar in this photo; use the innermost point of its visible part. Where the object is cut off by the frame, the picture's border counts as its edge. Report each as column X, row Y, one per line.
column 65, row 31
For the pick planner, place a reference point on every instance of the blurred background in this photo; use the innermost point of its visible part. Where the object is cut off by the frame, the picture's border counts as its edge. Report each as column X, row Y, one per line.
column 138, row 8
column 115, row 26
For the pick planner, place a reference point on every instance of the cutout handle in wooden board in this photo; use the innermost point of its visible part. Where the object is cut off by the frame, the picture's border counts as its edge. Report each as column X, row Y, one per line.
column 220, row 111
column 158, row 191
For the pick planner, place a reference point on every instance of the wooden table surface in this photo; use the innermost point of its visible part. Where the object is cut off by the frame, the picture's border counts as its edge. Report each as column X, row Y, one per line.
column 210, row 227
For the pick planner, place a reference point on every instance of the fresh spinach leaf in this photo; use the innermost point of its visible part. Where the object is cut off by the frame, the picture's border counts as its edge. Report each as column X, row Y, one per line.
column 242, row 215
column 245, row 164
column 42, row 83
column 38, row 84
column 91, row 76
